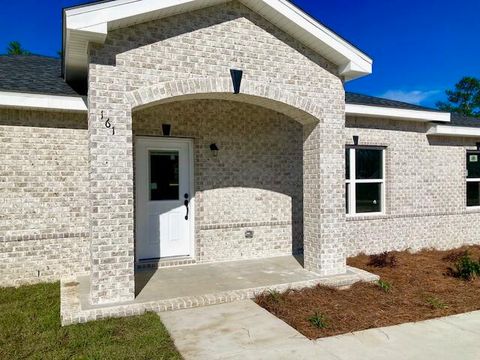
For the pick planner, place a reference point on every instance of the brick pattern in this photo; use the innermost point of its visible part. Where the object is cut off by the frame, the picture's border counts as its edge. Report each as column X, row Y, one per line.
column 255, row 182
column 425, row 190
column 146, row 63
column 43, row 196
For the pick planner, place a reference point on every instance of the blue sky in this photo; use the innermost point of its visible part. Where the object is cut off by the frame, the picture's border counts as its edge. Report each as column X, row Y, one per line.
column 420, row 48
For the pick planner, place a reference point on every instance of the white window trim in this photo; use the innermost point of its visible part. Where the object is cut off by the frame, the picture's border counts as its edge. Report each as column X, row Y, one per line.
column 352, row 208
column 468, row 180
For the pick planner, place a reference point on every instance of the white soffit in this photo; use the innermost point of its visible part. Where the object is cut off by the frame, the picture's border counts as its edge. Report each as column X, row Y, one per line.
column 42, row 102
column 91, row 23
column 396, row 113
column 456, row 131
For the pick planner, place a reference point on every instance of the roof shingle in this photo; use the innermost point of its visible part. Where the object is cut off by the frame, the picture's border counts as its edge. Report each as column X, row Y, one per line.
column 33, row 74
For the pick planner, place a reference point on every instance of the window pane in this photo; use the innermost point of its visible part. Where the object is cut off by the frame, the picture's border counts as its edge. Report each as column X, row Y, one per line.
column 347, row 164
column 473, row 194
column 347, row 196
column 369, row 198
column 369, row 164
column 164, row 175
column 473, row 165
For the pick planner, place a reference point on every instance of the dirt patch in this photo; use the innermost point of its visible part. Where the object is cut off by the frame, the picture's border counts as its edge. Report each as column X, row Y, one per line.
column 418, row 287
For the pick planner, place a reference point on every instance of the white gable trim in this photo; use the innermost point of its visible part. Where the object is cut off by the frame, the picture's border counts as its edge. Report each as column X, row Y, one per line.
column 396, row 113
column 456, row 131
column 42, row 102
column 91, row 23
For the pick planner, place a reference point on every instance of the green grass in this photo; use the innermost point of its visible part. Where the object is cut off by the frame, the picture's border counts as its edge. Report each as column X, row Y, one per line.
column 30, row 329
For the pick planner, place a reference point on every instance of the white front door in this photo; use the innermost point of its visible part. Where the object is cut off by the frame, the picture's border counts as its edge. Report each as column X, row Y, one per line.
column 164, row 201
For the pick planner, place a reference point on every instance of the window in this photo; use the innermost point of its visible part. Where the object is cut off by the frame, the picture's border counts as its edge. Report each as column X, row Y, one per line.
column 365, row 185
column 473, row 178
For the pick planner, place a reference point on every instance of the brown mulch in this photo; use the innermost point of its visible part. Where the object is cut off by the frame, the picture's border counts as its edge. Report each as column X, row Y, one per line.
column 422, row 288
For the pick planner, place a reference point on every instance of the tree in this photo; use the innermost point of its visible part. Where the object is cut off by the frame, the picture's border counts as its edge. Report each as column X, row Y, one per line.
column 464, row 99
column 15, row 48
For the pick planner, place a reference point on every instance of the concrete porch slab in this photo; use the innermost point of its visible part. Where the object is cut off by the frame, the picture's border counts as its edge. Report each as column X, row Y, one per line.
column 193, row 286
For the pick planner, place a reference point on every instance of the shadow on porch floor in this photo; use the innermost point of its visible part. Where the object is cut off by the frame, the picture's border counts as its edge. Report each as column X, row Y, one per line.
column 200, row 285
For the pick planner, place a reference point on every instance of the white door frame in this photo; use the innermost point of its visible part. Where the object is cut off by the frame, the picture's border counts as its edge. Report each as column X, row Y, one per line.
column 158, row 142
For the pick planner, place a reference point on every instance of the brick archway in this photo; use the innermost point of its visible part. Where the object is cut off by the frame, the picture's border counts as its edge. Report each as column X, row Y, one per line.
column 301, row 109
column 111, row 173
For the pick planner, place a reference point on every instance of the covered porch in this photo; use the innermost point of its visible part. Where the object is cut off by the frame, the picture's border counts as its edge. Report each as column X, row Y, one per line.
column 190, row 286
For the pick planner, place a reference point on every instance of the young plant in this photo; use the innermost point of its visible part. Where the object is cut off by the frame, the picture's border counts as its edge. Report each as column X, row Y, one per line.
column 466, row 268
column 436, row 303
column 274, row 295
column 384, row 285
column 318, row 320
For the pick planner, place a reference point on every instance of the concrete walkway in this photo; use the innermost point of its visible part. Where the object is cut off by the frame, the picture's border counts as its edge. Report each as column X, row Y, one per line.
column 243, row 330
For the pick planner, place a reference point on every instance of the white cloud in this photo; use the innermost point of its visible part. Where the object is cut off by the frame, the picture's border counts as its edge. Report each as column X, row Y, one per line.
column 413, row 97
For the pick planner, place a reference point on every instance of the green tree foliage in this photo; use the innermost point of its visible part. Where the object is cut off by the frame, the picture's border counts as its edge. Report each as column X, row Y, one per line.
column 464, row 99
column 15, row 48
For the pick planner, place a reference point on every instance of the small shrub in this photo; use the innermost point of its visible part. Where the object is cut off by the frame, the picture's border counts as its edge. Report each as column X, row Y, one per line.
column 384, row 285
column 274, row 295
column 318, row 320
column 466, row 268
column 383, row 260
column 436, row 303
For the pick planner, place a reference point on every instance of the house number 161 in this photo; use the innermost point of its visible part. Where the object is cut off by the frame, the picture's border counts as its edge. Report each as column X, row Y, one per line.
column 108, row 124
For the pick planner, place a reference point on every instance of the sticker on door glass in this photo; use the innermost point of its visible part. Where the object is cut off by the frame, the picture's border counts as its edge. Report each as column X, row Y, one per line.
column 473, row 158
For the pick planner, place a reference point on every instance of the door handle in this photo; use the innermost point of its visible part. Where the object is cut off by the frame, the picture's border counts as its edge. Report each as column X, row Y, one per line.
column 186, row 203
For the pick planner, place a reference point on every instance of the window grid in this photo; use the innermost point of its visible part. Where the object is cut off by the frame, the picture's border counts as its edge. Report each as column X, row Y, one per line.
column 471, row 180
column 353, row 181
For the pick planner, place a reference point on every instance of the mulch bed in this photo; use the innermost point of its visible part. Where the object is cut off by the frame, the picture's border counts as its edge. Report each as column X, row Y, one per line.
column 422, row 287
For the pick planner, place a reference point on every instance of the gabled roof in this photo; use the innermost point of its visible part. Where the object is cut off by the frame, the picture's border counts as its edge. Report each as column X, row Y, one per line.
column 92, row 22
column 362, row 99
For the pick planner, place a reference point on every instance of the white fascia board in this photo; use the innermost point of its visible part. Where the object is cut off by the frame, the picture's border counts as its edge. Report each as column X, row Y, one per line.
column 100, row 18
column 455, row 131
column 396, row 113
column 42, row 102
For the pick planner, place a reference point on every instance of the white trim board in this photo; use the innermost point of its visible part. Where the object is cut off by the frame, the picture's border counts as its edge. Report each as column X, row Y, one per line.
column 43, row 102
column 91, row 23
column 396, row 113
column 456, row 131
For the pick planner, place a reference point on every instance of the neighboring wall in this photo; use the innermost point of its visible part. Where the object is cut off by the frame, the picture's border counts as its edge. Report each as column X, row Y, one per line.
column 255, row 183
column 425, row 190
column 43, row 196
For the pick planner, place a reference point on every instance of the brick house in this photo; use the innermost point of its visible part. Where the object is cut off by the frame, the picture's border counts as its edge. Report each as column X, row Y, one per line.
column 188, row 132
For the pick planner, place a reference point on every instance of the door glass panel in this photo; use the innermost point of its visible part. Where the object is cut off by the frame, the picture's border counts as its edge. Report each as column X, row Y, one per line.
column 369, row 198
column 164, row 175
column 369, row 164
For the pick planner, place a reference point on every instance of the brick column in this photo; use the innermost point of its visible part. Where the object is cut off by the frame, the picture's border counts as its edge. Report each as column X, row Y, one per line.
column 324, row 187
column 111, row 191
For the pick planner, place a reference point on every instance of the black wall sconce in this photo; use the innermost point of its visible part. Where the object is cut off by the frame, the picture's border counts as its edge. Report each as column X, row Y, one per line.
column 167, row 129
column 356, row 140
column 478, row 146
column 214, row 148
column 237, row 76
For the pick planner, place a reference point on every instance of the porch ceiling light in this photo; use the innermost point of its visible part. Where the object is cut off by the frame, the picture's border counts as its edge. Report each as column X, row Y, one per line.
column 214, row 148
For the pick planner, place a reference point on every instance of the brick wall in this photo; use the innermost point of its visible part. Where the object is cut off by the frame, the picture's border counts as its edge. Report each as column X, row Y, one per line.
column 425, row 190
column 255, row 183
column 44, row 223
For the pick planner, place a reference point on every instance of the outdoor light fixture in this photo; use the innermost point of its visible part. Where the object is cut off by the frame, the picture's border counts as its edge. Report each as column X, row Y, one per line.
column 356, row 140
column 236, row 79
column 166, row 128
column 214, row 148
column 478, row 146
